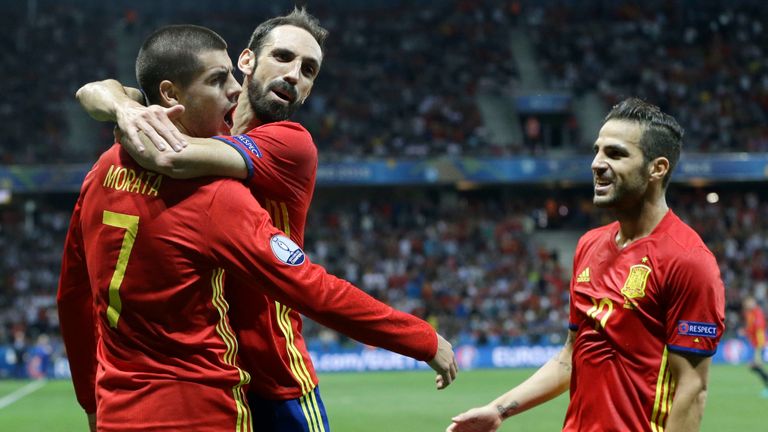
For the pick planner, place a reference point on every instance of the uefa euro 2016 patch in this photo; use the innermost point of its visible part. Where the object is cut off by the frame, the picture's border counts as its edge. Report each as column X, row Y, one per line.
column 286, row 250
column 249, row 144
column 693, row 328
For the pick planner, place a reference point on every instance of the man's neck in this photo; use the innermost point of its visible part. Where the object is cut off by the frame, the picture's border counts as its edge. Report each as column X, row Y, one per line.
column 182, row 128
column 244, row 118
column 640, row 222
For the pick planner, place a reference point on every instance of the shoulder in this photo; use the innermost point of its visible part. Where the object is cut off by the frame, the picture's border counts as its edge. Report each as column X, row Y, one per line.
column 596, row 235
column 285, row 131
column 228, row 191
column 288, row 127
column 104, row 162
column 680, row 239
column 286, row 140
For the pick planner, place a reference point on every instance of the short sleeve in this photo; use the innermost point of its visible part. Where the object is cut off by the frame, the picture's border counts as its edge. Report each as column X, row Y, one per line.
column 247, row 149
column 281, row 150
column 695, row 315
column 573, row 319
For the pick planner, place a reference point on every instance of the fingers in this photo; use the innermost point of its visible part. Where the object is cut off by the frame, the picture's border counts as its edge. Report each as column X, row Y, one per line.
column 156, row 123
column 449, row 376
column 440, row 382
column 454, row 368
column 168, row 130
column 131, row 138
column 159, row 137
column 444, row 379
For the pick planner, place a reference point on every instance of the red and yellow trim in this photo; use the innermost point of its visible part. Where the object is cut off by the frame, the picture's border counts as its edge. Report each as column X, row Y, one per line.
column 665, row 391
column 300, row 372
column 278, row 211
column 224, row 330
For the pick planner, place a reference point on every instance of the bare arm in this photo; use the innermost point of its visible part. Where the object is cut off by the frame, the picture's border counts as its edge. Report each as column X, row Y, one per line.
column 108, row 100
column 549, row 381
column 691, row 374
column 146, row 131
column 202, row 157
column 100, row 99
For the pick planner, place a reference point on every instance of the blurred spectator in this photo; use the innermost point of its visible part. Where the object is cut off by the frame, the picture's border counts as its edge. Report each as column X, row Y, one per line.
column 468, row 262
column 705, row 64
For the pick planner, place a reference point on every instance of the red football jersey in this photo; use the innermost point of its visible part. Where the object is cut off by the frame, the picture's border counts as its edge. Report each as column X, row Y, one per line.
column 755, row 326
column 145, row 263
column 629, row 307
column 281, row 158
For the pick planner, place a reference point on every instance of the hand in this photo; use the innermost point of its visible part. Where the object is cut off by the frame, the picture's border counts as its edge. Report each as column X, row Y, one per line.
column 483, row 419
column 444, row 363
column 92, row 422
column 155, row 121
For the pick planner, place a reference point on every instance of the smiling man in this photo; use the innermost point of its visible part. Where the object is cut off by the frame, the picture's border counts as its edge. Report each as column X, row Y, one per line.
column 647, row 301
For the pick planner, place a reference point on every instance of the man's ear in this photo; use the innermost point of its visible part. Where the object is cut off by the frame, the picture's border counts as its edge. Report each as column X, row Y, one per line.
column 658, row 169
column 247, row 62
column 169, row 94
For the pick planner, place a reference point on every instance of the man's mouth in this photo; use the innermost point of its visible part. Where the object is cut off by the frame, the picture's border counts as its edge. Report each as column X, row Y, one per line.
column 284, row 91
column 602, row 185
column 228, row 117
column 282, row 95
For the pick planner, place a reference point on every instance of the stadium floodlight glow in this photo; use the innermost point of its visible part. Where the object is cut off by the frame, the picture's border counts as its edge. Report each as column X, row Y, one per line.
column 5, row 195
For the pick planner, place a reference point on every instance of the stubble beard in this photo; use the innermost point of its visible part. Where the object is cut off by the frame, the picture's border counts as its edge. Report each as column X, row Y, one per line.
column 268, row 111
column 623, row 195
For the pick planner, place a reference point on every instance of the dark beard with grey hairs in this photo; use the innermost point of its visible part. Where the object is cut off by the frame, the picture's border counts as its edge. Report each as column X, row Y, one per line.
column 269, row 111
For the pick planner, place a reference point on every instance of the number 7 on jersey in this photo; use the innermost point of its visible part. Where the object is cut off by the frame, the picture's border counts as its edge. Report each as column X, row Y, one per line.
column 130, row 224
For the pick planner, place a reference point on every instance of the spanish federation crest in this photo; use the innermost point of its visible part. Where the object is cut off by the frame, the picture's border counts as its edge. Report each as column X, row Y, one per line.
column 634, row 286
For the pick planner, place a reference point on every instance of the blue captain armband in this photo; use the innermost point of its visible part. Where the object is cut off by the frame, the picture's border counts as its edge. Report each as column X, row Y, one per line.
column 243, row 153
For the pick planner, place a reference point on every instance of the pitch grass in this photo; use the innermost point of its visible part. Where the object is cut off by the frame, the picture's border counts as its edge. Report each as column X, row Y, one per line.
column 407, row 401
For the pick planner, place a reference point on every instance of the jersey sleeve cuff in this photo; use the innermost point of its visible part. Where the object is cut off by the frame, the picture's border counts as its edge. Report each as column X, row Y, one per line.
column 243, row 153
column 686, row 350
column 573, row 327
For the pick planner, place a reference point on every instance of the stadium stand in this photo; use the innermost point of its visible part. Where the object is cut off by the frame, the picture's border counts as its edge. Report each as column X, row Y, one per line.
column 471, row 263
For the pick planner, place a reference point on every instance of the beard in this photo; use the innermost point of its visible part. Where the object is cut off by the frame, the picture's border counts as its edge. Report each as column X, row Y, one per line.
column 624, row 194
column 269, row 111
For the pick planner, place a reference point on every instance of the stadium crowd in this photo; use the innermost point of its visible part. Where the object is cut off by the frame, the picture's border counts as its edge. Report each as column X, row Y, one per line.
column 467, row 262
column 384, row 95
column 705, row 64
column 47, row 56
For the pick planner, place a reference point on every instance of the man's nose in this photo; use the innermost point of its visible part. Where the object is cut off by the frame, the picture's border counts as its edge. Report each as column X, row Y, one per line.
column 292, row 74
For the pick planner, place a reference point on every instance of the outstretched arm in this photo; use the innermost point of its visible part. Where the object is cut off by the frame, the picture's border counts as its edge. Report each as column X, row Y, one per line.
column 690, row 372
column 147, row 131
column 242, row 238
column 202, row 157
column 109, row 101
column 549, row 381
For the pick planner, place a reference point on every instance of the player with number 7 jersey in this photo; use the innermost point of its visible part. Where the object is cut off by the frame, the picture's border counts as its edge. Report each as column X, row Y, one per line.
column 142, row 306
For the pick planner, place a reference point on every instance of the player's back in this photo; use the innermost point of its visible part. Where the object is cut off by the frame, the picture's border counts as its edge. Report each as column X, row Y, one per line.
column 167, row 353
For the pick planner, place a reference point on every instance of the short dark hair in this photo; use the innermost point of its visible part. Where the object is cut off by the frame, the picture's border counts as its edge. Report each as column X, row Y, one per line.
column 171, row 53
column 662, row 135
column 299, row 17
